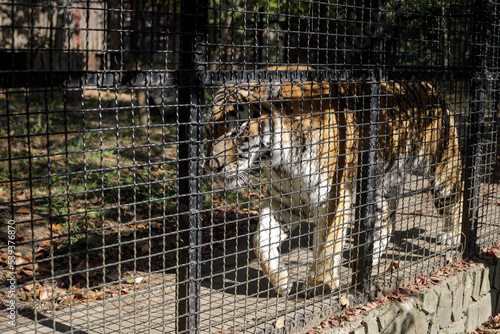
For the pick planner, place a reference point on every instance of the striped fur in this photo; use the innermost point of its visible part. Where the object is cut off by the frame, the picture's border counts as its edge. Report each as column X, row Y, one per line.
column 305, row 136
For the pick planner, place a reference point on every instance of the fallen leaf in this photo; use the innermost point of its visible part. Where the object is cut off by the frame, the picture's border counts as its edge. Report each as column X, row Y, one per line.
column 335, row 322
column 96, row 295
column 24, row 210
column 350, row 318
column 344, row 301
column 44, row 293
column 65, row 299
column 435, row 279
column 112, row 275
column 22, row 260
column 142, row 226
column 23, row 295
column 279, row 323
column 392, row 266
column 144, row 249
column 27, row 272
column 20, row 197
column 56, row 227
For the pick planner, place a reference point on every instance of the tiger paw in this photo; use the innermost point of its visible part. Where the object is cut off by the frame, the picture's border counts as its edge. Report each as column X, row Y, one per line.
column 320, row 290
column 281, row 283
column 314, row 288
column 285, row 289
column 449, row 238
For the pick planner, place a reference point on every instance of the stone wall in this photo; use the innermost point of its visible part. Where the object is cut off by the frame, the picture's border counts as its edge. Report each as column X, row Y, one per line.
column 459, row 304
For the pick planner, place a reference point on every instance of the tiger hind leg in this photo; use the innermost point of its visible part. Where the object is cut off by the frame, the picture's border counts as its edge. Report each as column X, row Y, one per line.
column 388, row 191
column 448, row 202
column 329, row 240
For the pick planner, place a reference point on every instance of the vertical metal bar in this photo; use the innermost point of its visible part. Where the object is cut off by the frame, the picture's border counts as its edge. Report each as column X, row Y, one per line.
column 474, row 146
column 367, row 173
column 190, row 151
column 366, row 196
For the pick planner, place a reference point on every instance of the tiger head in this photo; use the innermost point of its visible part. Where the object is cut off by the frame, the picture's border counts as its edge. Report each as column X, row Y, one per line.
column 238, row 133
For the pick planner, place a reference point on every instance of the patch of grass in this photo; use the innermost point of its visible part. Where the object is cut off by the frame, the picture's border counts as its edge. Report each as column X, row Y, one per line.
column 86, row 171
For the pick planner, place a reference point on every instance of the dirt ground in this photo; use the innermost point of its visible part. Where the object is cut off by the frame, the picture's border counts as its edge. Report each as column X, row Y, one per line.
column 234, row 295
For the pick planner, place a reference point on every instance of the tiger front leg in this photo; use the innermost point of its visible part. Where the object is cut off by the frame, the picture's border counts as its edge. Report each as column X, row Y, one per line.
column 267, row 240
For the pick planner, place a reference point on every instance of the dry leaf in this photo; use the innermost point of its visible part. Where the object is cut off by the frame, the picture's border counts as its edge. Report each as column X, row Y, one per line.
column 351, row 318
column 112, row 275
column 77, row 292
column 344, row 301
column 335, row 322
column 65, row 299
column 44, row 293
column 26, row 272
column 96, row 295
column 24, row 210
column 56, row 227
column 392, row 266
column 144, row 249
column 279, row 323
column 141, row 226
column 20, row 197
column 43, row 267
column 22, row 260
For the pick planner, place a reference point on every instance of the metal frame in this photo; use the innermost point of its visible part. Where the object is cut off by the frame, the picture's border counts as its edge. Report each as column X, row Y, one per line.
column 192, row 78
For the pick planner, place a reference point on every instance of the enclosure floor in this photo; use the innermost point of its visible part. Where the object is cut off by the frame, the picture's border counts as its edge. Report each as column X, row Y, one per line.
column 235, row 297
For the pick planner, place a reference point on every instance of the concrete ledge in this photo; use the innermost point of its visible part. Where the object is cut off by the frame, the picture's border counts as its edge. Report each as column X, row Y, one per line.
column 459, row 304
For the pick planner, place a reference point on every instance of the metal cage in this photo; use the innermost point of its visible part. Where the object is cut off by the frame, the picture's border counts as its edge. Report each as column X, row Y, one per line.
column 225, row 166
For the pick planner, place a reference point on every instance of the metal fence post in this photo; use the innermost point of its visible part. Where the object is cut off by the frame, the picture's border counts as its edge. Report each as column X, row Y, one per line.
column 190, row 152
column 366, row 195
column 475, row 123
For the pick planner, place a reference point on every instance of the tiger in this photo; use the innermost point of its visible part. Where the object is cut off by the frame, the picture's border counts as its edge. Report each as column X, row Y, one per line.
column 305, row 136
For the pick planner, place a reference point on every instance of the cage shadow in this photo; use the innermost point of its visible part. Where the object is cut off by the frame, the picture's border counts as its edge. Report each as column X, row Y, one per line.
column 236, row 271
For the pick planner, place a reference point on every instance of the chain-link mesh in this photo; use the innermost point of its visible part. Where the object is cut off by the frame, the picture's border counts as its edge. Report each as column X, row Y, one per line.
column 229, row 166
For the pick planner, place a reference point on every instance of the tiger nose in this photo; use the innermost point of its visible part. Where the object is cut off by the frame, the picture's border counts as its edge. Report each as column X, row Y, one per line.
column 213, row 166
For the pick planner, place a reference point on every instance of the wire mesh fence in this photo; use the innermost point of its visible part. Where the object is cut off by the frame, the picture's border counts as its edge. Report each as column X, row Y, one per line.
column 238, row 166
